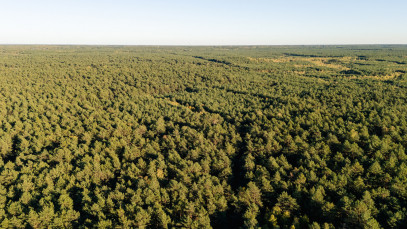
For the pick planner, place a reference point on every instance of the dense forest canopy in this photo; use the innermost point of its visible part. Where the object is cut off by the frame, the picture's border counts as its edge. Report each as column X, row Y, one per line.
column 199, row 137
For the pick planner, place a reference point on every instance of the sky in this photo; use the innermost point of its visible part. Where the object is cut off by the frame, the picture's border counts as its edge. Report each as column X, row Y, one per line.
column 203, row 22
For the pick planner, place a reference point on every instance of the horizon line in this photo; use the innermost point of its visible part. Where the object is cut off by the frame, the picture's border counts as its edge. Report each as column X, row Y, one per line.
column 197, row 45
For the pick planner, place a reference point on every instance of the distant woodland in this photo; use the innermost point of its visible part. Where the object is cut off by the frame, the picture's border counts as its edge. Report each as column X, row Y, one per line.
column 201, row 137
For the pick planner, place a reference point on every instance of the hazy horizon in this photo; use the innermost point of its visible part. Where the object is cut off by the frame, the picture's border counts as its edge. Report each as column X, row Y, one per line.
column 209, row 23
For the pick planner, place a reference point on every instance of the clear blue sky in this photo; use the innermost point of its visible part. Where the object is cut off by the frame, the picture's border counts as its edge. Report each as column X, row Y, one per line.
column 204, row 22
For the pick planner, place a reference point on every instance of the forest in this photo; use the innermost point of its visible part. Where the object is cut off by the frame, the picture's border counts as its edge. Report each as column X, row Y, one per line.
column 203, row 137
